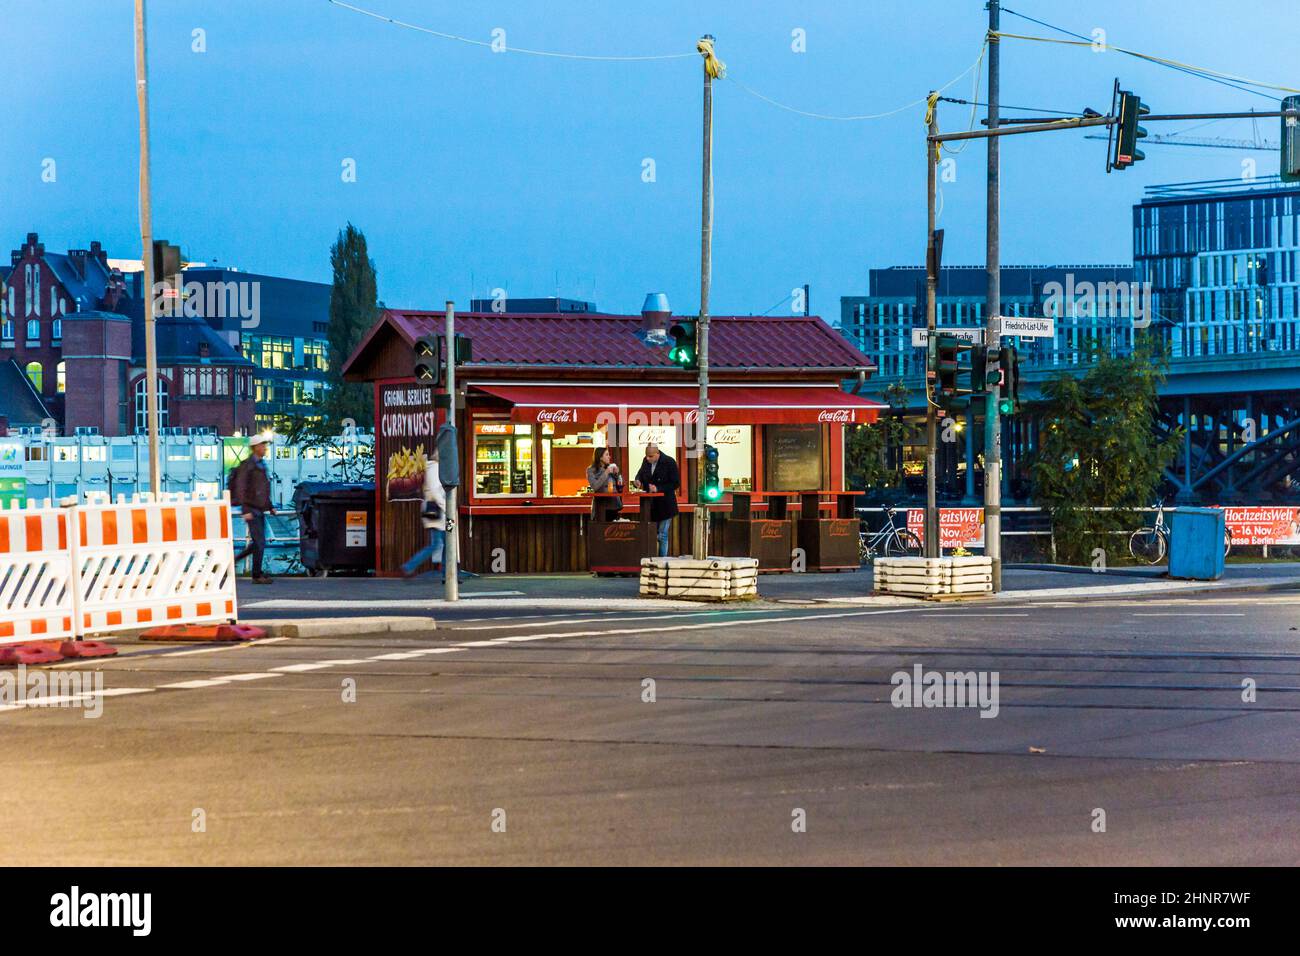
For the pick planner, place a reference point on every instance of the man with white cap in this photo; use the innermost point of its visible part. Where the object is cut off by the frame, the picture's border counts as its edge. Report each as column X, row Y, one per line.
column 250, row 490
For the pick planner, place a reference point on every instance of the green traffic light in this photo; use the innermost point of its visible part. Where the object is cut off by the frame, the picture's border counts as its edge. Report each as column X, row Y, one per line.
column 713, row 492
column 1006, row 407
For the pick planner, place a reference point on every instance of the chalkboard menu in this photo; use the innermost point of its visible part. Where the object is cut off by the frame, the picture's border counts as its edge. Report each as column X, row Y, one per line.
column 792, row 457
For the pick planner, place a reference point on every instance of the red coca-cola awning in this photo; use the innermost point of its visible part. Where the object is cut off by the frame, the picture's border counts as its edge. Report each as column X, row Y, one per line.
column 634, row 403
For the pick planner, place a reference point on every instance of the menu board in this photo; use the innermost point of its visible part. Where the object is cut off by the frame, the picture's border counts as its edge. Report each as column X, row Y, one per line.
column 792, row 457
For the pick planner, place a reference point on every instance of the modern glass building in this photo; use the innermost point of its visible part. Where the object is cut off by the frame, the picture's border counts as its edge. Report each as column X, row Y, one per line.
column 1086, row 301
column 1221, row 258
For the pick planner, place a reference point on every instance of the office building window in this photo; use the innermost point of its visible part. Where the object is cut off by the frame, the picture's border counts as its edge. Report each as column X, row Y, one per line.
column 315, row 354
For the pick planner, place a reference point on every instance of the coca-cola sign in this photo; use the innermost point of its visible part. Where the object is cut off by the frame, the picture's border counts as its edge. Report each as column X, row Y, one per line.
column 563, row 416
column 835, row 415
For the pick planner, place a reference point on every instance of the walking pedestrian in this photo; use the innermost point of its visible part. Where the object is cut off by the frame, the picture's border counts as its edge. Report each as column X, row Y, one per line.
column 603, row 478
column 434, row 516
column 659, row 472
column 250, row 491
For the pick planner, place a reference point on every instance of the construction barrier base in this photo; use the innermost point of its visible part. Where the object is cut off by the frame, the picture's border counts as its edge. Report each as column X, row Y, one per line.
column 11, row 655
column 86, row 649
column 203, row 632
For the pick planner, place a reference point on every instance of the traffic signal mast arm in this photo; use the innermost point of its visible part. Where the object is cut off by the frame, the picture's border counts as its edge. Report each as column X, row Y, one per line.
column 1082, row 121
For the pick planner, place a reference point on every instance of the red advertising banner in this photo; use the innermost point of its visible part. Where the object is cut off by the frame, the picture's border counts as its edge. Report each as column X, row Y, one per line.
column 958, row 527
column 1263, row 525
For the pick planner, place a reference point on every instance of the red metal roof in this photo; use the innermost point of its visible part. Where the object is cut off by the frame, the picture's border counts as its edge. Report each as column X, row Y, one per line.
column 582, row 403
column 612, row 341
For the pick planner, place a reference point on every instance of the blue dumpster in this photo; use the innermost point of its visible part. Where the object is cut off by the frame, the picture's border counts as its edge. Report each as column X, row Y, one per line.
column 1196, row 544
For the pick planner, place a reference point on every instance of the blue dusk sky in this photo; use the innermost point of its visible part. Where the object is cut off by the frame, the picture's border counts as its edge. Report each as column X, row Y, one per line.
column 478, row 170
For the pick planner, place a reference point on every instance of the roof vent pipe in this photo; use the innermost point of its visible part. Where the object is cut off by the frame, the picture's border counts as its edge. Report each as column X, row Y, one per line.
column 655, row 312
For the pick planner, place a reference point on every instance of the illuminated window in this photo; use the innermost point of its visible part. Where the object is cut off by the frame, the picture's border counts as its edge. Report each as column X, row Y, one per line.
column 567, row 452
column 315, row 354
column 35, row 374
column 503, row 459
column 61, row 377
column 735, row 444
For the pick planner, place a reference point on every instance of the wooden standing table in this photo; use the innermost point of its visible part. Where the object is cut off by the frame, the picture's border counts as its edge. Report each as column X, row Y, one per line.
column 617, row 547
column 829, row 543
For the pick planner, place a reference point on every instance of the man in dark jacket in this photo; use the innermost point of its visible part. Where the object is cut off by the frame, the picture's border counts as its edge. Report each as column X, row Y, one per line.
column 659, row 473
column 250, row 491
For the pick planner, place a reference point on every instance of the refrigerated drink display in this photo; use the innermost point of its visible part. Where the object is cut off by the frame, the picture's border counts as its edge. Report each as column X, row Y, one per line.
column 521, row 466
column 503, row 459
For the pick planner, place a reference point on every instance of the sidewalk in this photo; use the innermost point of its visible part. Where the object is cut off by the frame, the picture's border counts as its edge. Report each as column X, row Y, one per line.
column 303, row 598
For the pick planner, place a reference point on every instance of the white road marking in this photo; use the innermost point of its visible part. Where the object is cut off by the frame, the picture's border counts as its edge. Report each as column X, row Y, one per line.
column 261, row 675
column 231, row 679
column 556, row 619
column 1187, row 614
column 969, row 614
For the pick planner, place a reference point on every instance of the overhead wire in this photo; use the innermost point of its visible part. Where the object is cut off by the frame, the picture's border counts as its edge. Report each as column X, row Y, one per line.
column 512, row 49
column 1180, row 69
column 1151, row 57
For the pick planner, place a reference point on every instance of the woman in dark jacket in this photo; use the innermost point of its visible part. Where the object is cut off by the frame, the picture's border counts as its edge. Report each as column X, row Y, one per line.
column 603, row 478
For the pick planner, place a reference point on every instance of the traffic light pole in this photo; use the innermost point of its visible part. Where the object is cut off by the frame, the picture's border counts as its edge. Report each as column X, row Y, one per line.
column 451, row 549
column 993, row 331
column 931, row 281
column 700, row 538
column 993, row 321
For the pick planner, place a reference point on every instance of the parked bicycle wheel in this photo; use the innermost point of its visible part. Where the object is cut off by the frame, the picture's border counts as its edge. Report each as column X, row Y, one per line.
column 864, row 547
column 1227, row 541
column 903, row 544
column 1148, row 544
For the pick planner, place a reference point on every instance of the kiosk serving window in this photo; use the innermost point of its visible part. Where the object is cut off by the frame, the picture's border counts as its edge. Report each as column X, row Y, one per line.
column 503, row 460
column 567, row 450
column 735, row 444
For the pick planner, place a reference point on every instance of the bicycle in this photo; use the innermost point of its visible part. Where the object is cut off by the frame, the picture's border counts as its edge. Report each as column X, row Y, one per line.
column 890, row 541
column 1152, row 544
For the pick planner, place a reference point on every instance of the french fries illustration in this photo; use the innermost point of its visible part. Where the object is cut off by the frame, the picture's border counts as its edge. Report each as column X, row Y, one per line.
column 406, row 472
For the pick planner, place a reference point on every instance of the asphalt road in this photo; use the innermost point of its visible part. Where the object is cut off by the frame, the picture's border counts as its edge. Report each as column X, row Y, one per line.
column 527, row 739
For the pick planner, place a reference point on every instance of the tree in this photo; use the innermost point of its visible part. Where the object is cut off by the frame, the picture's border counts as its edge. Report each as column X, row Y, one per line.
column 1099, row 448
column 873, row 454
column 354, row 308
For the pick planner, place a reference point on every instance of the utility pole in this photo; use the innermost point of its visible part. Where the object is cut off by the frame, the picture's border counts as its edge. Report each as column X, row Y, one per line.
column 146, row 238
column 451, row 550
column 700, row 537
column 993, row 310
column 931, row 281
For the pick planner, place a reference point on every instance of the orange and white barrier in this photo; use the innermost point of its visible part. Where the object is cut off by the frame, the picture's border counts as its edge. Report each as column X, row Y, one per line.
column 36, row 602
column 105, row 566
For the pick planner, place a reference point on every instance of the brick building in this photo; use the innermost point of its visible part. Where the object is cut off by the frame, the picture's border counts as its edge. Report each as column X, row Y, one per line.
column 74, row 326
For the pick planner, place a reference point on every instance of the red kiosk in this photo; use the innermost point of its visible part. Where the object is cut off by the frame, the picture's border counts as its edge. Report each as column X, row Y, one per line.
column 544, row 391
